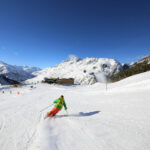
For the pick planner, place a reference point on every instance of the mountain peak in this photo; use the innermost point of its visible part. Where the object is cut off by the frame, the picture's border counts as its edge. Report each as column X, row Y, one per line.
column 84, row 71
column 73, row 58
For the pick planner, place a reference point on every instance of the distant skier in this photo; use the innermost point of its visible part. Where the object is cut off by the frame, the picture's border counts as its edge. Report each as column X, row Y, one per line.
column 59, row 103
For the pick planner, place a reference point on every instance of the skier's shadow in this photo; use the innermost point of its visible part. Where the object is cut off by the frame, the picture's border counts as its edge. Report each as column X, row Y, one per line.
column 80, row 114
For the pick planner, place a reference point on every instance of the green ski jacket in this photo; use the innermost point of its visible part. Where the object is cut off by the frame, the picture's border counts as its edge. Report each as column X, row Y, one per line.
column 60, row 102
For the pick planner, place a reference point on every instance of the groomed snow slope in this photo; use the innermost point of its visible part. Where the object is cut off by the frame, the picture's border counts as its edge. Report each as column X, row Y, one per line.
column 116, row 119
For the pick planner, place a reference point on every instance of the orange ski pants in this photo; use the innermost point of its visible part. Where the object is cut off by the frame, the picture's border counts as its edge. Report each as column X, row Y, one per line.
column 53, row 112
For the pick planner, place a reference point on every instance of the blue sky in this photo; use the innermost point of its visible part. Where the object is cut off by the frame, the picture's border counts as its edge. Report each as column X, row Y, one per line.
column 43, row 33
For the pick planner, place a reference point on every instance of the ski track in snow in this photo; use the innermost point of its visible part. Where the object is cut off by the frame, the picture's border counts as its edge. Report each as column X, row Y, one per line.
column 116, row 119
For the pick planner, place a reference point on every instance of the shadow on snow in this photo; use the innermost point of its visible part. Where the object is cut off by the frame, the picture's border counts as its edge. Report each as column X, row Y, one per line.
column 80, row 114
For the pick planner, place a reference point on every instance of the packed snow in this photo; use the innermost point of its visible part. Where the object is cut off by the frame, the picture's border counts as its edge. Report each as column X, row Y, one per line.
column 98, row 118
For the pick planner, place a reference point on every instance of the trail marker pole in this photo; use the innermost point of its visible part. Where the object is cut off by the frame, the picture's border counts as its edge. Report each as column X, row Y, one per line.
column 106, row 84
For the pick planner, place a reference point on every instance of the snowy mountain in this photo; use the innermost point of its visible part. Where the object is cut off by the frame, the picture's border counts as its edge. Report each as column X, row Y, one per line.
column 17, row 73
column 140, row 66
column 28, row 69
column 6, row 81
column 84, row 71
column 145, row 60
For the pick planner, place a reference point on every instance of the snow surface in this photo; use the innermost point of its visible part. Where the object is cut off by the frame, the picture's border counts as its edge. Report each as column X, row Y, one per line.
column 96, row 119
column 84, row 71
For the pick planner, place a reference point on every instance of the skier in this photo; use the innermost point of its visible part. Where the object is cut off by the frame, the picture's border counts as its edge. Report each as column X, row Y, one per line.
column 59, row 103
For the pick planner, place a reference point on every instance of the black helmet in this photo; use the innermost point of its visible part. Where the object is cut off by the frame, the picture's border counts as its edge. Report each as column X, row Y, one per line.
column 62, row 96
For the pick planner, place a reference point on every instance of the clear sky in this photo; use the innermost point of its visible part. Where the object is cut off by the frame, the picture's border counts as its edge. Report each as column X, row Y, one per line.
column 43, row 33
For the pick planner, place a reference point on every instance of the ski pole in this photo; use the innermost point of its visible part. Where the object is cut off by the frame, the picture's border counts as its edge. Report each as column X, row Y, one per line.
column 46, row 108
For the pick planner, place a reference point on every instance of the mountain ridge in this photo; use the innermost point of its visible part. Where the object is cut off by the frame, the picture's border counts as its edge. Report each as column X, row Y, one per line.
column 84, row 71
column 17, row 73
column 140, row 66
